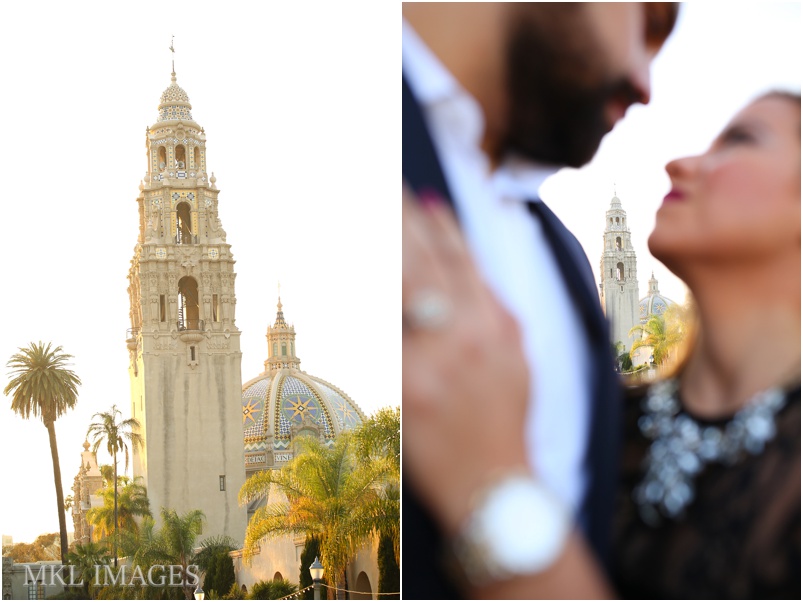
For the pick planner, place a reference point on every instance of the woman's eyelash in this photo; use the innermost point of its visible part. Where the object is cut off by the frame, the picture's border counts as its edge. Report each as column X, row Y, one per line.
column 736, row 135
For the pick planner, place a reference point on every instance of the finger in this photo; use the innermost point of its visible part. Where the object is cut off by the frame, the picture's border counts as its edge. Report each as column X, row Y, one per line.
column 453, row 252
column 422, row 264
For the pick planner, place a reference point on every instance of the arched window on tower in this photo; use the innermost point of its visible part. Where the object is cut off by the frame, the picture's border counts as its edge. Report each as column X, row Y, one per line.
column 619, row 243
column 162, row 158
column 617, row 220
column 196, row 158
column 181, row 157
column 275, row 349
column 188, row 313
column 183, row 224
column 620, row 271
column 284, row 349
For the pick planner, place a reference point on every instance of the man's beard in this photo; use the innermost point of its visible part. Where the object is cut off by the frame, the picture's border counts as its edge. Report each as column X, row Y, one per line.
column 558, row 86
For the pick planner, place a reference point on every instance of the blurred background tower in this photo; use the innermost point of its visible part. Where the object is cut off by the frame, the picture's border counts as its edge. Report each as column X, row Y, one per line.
column 618, row 275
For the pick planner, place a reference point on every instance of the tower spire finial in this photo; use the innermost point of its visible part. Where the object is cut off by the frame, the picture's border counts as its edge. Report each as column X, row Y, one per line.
column 173, row 58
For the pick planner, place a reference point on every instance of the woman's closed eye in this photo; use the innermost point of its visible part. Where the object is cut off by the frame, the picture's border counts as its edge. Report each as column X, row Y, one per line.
column 736, row 135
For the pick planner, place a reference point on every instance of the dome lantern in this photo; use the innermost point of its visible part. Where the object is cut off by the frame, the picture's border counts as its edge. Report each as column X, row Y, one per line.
column 281, row 344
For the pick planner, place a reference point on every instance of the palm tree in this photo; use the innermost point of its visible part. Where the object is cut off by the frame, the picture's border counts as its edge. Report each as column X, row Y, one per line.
column 378, row 439
column 115, row 433
column 329, row 495
column 41, row 385
column 87, row 558
column 173, row 544
column 132, row 503
column 664, row 333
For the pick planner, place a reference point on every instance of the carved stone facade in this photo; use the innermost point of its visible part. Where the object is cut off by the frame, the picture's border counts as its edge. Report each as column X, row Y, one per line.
column 85, row 486
column 184, row 345
column 618, row 276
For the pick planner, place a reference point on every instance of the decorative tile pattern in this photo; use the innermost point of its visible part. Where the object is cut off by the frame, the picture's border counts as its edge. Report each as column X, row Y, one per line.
column 347, row 416
column 254, row 419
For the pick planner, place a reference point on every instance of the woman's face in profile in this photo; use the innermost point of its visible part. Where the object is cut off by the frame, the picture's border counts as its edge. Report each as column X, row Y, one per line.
column 741, row 199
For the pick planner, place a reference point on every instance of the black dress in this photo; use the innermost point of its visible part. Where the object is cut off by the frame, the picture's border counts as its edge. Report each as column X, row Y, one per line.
column 739, row 537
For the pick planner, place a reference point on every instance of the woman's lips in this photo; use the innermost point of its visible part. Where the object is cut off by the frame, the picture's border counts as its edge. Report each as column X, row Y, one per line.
column 674, row 195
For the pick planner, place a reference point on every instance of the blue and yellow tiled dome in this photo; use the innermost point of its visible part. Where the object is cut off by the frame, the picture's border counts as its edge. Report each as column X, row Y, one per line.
column 653, row 303
column 285, row 401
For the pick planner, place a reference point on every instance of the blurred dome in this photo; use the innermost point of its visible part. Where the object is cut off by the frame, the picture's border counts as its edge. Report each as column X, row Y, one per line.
column 654, row 303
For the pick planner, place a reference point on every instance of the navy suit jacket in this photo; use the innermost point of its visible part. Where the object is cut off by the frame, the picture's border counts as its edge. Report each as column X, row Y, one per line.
column 423, row 572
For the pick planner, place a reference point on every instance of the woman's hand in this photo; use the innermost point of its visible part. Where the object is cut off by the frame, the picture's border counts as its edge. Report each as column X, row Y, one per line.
column 465, row 380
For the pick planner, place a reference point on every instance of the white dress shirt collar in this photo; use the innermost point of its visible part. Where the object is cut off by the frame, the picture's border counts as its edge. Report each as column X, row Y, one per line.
column 516, row 178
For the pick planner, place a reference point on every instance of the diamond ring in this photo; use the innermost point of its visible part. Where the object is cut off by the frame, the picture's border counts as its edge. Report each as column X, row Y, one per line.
column 427, row 310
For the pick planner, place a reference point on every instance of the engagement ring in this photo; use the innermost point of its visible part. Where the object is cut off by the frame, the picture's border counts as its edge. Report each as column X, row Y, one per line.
column 427, row 310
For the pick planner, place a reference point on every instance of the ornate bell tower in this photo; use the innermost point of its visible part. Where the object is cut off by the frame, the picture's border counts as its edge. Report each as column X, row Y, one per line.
column 618, row 276
column 183, row 342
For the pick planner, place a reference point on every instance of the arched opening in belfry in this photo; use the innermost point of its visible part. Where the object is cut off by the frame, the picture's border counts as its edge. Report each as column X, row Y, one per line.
column 284, row 349
column 162, row 157
column 620, row 271
column 277, row 576
column 619, row 243
column 188, row 316
column 183, row 224
column 196, row 158
column 617, row 220
column 181, row 157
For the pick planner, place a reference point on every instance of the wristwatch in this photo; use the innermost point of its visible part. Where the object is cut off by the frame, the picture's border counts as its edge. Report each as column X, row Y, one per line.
column 517, row 527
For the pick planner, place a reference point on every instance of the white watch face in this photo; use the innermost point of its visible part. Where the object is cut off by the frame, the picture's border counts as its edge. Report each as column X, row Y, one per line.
column 523, row 526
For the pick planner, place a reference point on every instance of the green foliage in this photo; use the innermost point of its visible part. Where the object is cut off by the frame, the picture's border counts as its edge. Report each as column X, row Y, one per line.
column 389, row 575
column 380, row 437
column 86, row 558
column 235, row 593
column 213, row 559
column 312, row 550
column 42, row 386
column 329, row 494
column 225, row 573
column 625, row 361
column 212, row 548
column 132, row 503
column 210, row 580
column 271, row 590
column 378, row 440
column 115, row 433
column 173, row 544
column 664, row 333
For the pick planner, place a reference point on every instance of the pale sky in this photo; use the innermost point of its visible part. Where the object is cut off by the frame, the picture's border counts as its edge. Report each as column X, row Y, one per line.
column 303, row 143
column 300, row 106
